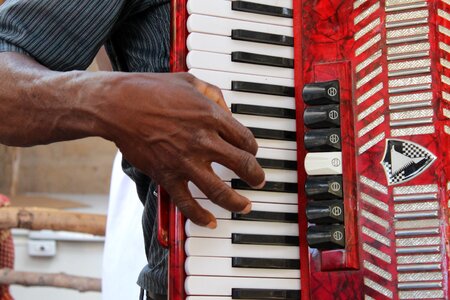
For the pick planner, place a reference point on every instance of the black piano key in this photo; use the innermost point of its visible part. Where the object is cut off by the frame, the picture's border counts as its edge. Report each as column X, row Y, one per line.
column 322, row 140
column 263, row 294
column 259, row 59
column 326, row 116
column 321, row 93
column 265, row 263
column 262, row 37
column 270, row 186
column 262, row 88
column 325, row 212
column 323, row 187
column 268, row 163
column 265, row 111
column 260, row 239
column 326, row 237
column 267, row 216
column 273, row 134
column 262, row 9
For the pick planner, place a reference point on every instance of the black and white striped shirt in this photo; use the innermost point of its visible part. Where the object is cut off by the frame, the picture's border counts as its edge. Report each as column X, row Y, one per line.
column 66, row 35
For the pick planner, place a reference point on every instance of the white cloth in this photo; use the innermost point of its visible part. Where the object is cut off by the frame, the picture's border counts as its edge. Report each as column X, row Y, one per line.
column 124, row 253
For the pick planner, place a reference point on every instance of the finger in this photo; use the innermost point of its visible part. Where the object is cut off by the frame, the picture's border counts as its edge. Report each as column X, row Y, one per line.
column 211, row 92
column 241, row 162
column 189, row 207
column 237, row 134
column 218, row 192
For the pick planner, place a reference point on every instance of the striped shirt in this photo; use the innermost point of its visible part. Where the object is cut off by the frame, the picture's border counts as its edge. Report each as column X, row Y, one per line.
column 66, row 35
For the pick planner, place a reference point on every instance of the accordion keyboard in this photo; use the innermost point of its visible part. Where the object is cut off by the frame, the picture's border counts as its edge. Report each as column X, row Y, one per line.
column 246, row 49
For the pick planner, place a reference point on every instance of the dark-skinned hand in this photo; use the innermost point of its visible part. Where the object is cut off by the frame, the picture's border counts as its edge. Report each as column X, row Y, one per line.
column 172, row 127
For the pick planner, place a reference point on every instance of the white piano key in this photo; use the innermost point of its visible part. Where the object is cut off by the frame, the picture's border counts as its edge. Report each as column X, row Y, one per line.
column 226, row 45
column 277, row 175
column 220, row 8
column 225, row 228
column 222, row 62
column 254, row 196
column 232, row 97
column 224, row 248
column 222, row 286
column 223, row 79
column 266, row 122
column 323, row 163
column 223, row 26
column 222, row 266
column 281, row 3
column 222, row 213
column 279, row 154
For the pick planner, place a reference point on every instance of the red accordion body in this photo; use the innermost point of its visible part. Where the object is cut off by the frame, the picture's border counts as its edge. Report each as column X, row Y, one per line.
column 390, row 60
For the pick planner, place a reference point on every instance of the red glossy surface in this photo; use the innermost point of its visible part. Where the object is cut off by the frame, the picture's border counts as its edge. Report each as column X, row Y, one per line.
column 176, row 231
column 325, row 50
column 326, row 46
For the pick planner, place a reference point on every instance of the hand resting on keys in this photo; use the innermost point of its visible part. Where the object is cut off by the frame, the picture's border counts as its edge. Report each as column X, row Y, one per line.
column 170, row 126
column 186, row 133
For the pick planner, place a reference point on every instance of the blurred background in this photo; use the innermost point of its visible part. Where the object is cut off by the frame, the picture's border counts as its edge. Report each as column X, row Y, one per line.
column 73, row 176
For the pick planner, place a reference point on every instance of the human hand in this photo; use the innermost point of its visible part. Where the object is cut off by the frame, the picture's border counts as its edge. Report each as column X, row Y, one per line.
column 172, row 127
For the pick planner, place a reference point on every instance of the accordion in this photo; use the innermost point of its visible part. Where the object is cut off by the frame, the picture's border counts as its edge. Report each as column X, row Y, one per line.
column 350, row 104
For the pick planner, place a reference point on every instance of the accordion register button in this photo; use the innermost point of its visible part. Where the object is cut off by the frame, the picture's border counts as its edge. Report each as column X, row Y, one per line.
column 259, row 59
column 265, row 263
column 268, row 216
column 321, row 93
column 326, row 237
column 323, row 163
column 262, row 88
column 259, row 239
column 276, row 112
column 263, row 9
column 263, row 294
column 323, row 187
column 325, row 212
column 262, row 37
column 326, row 116
column 320, row 140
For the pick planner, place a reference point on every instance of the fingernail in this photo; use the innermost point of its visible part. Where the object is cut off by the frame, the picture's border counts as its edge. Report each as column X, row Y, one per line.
column 212, row 225
column 261, row 185
column 247, row 209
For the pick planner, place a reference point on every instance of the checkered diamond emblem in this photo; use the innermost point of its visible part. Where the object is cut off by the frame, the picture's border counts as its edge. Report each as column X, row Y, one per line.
column 404, row 160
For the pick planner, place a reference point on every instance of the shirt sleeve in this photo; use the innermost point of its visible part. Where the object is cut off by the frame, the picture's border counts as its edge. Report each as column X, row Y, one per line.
column 62, row 35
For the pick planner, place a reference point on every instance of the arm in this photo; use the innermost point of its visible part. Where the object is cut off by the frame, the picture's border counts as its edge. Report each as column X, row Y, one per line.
column 165, row 124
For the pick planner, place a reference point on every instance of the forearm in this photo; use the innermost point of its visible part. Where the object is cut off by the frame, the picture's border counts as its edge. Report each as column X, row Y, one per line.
column 40, row 106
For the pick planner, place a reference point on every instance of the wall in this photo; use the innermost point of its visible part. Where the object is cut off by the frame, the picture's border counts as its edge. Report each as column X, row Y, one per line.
column 80, row 167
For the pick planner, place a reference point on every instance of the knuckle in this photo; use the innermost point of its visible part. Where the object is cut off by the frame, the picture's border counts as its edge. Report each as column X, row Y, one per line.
column 186, row 207
column 223, row 196
column 246, row 164
column 248, row 141
column 188, row 76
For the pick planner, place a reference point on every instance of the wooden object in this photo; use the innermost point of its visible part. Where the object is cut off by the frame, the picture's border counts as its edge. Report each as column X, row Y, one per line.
column 60, row 280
